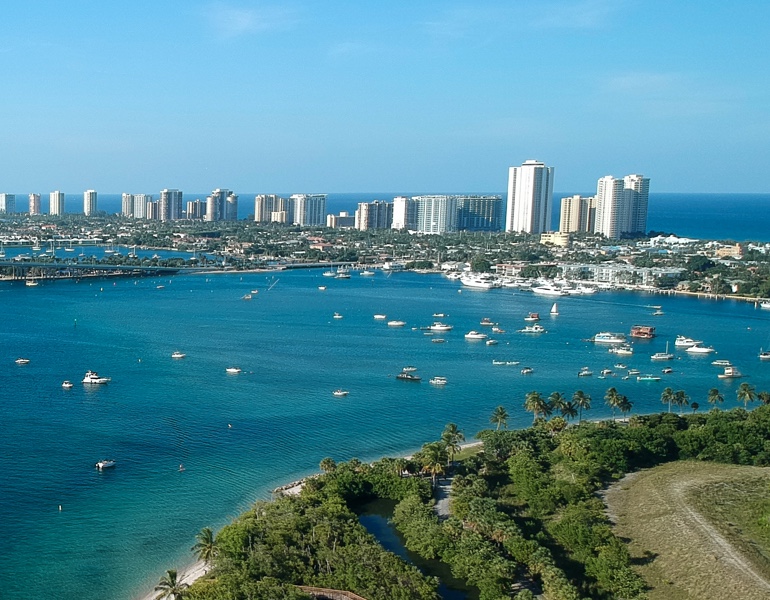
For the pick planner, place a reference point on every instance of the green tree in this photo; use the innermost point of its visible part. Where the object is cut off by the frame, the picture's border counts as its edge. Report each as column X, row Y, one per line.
column 667, row 397
column 613, row 399
column 205, row 547
column 625, row 405
column 452, row 437
column 537, row 405
column 327, row 465
column 681, row 399
column 499, row 417
column 433, row 457
column 715, row 397
column 746, row 394
column 569, row 411
column 169, row 587
column 764, row 397
column 557, row 401
column 582, row 401
column 694, row 406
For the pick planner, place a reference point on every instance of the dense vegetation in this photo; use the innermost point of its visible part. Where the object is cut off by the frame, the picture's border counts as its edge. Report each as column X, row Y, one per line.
column 525, row 514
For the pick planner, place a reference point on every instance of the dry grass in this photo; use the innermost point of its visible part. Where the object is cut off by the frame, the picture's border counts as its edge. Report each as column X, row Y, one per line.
column 695, row 530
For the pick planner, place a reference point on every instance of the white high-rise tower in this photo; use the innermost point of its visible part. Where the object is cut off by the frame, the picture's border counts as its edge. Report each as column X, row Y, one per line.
column 530, row 195
column 56, row 206
column 89, row 202
column 621, row 205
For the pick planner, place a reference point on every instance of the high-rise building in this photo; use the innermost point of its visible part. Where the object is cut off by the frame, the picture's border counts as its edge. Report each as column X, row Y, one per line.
column 309, row 209
column 436, row 214
column 231, row 207
column 170, row 205
column 404, row 213
column 344, row 220
column 374, row 215
column 196, row 209
column 479, row 213
column 530, row 192
column 89, row 202
column 216, row 209
column 127, row 205
column 265, row 205
column 140, row 205
column 34, row 204
column 56, row 203
column 577, row 214
column 621, row 205
column 7, row 204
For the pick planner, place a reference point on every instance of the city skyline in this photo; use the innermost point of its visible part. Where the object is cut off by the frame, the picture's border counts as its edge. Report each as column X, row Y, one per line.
column 330, row 97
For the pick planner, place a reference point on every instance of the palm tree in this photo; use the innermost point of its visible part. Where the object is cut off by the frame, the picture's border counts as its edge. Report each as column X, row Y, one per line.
column 433, row 457
column 715, row 397
column 205, row 548
column 582, row 401
column 534, row 403
column 499, row 417
column 452, row 437
column 746, row 394
column 694, row 406
column 400, row 465
column 764, row 397
column 625, row 405
column 681, row 399
column 327, row 465
column 613, row 398
column 557, row 401
column 169, row 587
column 667, row 397
column 569, row 411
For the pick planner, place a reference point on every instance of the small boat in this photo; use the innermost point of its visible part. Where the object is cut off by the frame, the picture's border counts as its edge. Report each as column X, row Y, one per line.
column 487, row 322
column 404, row 376
column 92, row 377
column 585, row 372
column 698, row 349
column 380, row 317
column 527, row 371
column 624, row 350
column 409, row 369
column 337, row 315
column 496, row 329
column 685, row 342
column 498, row 362
column 663, row 355
column 22, row 361
column 246, row 297
column 620, row 366
column 178, row 354
column 30, row 283
column 606, row 372
column 658, row 313
column 648, row 378
column 634, row 371
column 532, row 316
column 491, row 342
column 396, row 323
column 645, row 332
column 438, row 380
column 536, row 328
column 475, row 335
column 554, row 310
column 512, row 362
column 439, row 315
column 255, row 292
column 721, row 362
column 730, row 373
column 765, row 305
column 233, row 370
column 667, row 370
column 438, row 340
column 67, row 385
column 366, row 273
column 605, row 337
column 159, row 287
column 439, row 326
column 764, row 354
column 342, row 274
column 105, row 464
column 340, row 393
column 322, row 288
column 328, row 273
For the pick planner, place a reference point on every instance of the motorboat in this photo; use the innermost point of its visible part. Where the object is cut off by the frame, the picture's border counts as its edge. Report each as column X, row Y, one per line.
column 527, row 371
column 606, row 372
column 438, row 380
column 337, row 315
column 658, row 313
column 30, row 283
column 605, row 337
column 482, row 282
column 662, row 355
column 624, row 350
column 667, row 370
column 548, row 290
column 698, row 349
column 496, row 329
column 475, row 335
column 329, row 274
column 685, row 342
column 585, row 372
column 533, row 316
column 246, row 297
column 340, row 393
column 721, row 362
column 409, row 369
column 487, row 322
column 105, row 464
column 67, row 385
column 92, row 377
column 22, row 361
column 730, row 373
column 342, row 274
column 233, row 370
column 648, row 378
column 366, row 273
column 645, row 332
column 396, row 323
column 439, row 315
column 439, row 326
column 322, row 288
column 536, row 328
column 379, row 317
column 764, row 354
column 765, row 305
column 438, row 340
column 491, row 342
column 498, row 362
column 404, row 376
column 620, row 366
column 634, row 371
column 178, row 354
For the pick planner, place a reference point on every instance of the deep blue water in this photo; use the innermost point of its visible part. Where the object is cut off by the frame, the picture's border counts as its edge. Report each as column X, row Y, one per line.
column 241, row 436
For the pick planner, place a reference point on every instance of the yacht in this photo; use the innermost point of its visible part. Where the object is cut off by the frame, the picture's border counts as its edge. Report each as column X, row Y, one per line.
column 667, row 370
column 536, row 328
column 22, row 361
column 31, row 283
column 554, row 310
column 438, row 380
column 329, row 274
column 648, row 378
column 685, row 342
column 67, row 385
column 487, row 322
column 764, row 354
column 721, row 362
column 548, row 289
column 483, row 282
column 379, row 317
column 233, row 370
column 698, row 349
column 342, row 274
column 533, row 316
column 624, row 350
column 439, row 326
column 396, row 323
column 606, row 337
column 409, row 369
column 475, row 335
column 730, row 373
column 585, row 372
column 662, row 355
column 92, row 377
column 366, row 273
column 491, row 342
column 105, row 464
column 178, row 354
column 340, row 393
column 620, row 366
column 496, row 329
column 322, row 288
column 404, row 376
column 765, row 305
column 606, row 372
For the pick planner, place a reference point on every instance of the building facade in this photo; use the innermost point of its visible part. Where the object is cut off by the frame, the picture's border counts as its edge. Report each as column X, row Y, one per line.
column 404, row 213
column 530, row 196
column 479, row 213
column 56, row 203
column 621, row 205
column 89, row 202
column 34, row 204
column 374, row 215
column 436, row 214
column 577, row 214
column 7, row 204
column 309, row 209
column 170, row 205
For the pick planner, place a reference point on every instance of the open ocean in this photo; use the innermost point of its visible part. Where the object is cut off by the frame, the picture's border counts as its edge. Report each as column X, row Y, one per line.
column 239, row 436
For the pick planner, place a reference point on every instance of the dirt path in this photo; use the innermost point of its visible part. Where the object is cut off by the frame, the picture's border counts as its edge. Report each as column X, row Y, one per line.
column 681, row 554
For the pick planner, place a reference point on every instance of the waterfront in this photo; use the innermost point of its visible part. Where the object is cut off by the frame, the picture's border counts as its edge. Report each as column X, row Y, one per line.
column 240, row 436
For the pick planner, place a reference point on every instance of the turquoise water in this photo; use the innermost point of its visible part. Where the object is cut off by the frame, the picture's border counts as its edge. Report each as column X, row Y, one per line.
column 240, row 436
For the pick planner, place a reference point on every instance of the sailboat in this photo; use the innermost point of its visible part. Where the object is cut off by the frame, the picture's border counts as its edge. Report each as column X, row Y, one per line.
column 662, row 355
column 554, row 310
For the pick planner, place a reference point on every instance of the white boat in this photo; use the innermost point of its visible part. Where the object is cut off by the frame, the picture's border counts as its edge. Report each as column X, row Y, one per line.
column 658, row 313
column 663, row 355
column 624, row 350
column 246, row 297
column 634, row 371
column 342, row 274
column 439, row 315
column 764, row 354
column 233, row 370
column 491, row 342
column 483, row 282
column 606, row 372
column 765, row 305
column 698, row 349
column 685, row 342
column 337, row 315
column 92, row 377
column 497, row 329
column 648, row 378
column 396, row 323
column 721, row 362
column 533, row 316
column 554, row 310
column 366, row 273
column 536, row 328
column 409, row 369
column 438, row 380
column 67, row 385
column 605, row 337
column 105, row 464
column 585, row 372
column 22, row 361
column 730, row 373
column 329, row 274
column 439, row 326
column 620, row 366
column 548, row 290
column 527, row 371
column 340, row 393
column 379, row 317
column 487, row 322
column 178, row 354
column 322, row 288
column 475, row 335
column 438, row 340
column 667, row 370
column 31, row 283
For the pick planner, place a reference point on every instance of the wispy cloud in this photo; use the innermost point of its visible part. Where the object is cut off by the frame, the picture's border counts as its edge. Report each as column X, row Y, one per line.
column 233, row 21
column 576, row 14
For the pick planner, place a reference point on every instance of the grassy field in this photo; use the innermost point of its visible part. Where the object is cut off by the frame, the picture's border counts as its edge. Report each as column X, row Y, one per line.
column 697, row 530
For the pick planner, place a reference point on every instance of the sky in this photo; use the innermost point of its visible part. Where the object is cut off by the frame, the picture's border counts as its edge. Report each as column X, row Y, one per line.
column 356, row 96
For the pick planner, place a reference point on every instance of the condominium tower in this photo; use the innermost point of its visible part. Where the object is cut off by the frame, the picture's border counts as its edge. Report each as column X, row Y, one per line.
column 34, row 204
column 530, row 191
column 577, row 213
column 374, row 215
column 89, row 202
column 56, row 203
column 309, row 209
column 7, row 204
column 170, row 205
column 436, row 214
column 621, row 205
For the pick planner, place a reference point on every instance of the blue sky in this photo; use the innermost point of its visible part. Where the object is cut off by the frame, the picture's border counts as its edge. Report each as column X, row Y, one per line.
column 346, row 96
